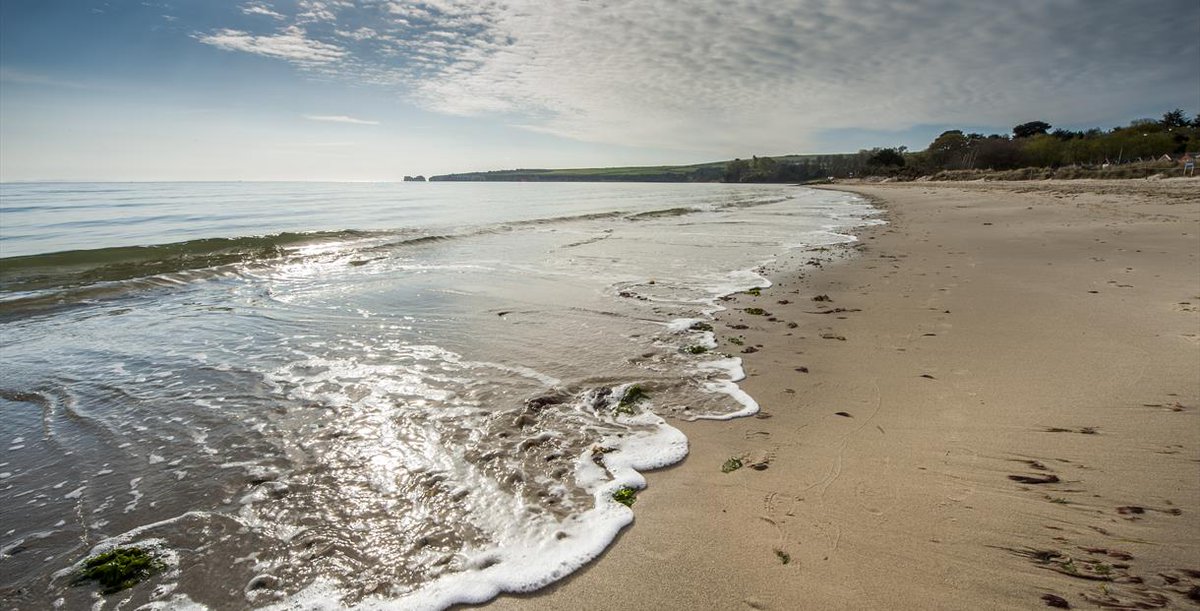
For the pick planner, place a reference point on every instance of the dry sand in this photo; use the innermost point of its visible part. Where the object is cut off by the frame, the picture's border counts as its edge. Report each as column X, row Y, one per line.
column 1046, row 331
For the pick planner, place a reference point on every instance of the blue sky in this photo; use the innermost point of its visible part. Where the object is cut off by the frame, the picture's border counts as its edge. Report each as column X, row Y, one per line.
column 376, row 89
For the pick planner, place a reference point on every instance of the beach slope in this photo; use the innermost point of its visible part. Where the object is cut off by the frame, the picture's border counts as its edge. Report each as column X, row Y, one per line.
column 995, row 403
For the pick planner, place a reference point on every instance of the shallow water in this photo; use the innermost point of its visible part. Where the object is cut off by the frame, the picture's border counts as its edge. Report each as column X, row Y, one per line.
column 388, row 395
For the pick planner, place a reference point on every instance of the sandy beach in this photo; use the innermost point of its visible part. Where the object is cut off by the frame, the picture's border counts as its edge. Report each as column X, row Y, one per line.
column 995, row 403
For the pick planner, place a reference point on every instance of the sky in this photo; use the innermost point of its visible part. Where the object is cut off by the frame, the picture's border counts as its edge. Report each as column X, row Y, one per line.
column 379, row 89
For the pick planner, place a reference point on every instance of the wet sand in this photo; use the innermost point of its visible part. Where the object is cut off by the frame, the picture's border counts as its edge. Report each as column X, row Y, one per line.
column 1007, row 411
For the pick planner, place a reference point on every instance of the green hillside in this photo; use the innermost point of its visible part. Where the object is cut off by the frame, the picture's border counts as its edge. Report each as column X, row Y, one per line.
column 812, row 165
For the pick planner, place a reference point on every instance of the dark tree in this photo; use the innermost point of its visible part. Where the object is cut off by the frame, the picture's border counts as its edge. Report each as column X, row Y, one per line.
column 1175, row 118
column 1032, row 128
column 946, row 151
column 886, row 158
column 735, row 170
column 762, row 169
column 997, row 154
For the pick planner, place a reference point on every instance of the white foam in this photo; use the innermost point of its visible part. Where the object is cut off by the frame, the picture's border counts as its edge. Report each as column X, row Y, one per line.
column 532, row 549
column 135, row 493
column 749, row 405
column 683, row 325
column 732, row 368
column 544, row 557
column 680, row 326
column 178, row 602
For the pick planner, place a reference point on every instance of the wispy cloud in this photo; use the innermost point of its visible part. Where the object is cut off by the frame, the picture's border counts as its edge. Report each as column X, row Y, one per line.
column 260, row 8
column 340, row 119
column 319, row 10
column 290, row 44
column 743, row 75
column 739, row 73
column 363, row 33
column 11, row 75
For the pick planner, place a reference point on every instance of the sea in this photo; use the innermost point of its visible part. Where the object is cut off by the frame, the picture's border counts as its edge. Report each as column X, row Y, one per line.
column 374, row 395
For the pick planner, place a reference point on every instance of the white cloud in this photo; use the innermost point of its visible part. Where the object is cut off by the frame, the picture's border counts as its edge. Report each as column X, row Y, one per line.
column 317, row 10
column 741, row 76
column 290, row 44
column 363, row 33
column 257, row 8
column 340, row 119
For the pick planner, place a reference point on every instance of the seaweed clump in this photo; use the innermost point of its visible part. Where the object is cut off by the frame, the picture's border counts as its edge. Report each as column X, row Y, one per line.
column 701, row 326
column 625, row 495
column 755, row 311
column 632, row 395
column 120, row 568
column 733, row 464
column 696, row 349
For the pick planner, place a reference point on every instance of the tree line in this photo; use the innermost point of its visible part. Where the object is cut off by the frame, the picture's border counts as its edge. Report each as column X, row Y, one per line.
column 1035, row 144
column 792, row 169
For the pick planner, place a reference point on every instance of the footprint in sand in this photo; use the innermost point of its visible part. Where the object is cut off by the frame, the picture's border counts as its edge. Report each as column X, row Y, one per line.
column 759, row 460
column 770, row 502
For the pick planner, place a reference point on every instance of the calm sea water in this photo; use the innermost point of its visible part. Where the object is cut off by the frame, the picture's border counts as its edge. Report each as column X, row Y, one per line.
column 387, row 395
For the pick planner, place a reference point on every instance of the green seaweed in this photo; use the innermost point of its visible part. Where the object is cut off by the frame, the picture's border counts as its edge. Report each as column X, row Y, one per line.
column 783, row 556
column 733, row 464
column 754, row 291
column 695, row 349
column 120, row 568
column 701, row 326
column 735, row 341
column 624, row 408
column 632, row 395
column 625, row 495
column 754, row 311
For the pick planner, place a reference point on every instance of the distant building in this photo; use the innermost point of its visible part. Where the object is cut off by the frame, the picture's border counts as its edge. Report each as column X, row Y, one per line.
column 417, row 178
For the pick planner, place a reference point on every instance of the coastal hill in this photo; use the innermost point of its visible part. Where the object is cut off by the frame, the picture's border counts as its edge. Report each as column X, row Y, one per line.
column 1034, row 150
column 797, row 168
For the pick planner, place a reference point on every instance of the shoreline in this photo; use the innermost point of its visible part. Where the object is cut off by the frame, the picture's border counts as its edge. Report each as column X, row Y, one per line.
column 1012, row 414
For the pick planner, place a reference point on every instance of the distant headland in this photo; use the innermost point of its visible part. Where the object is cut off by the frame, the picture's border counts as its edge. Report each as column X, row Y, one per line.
column 1034, row 150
